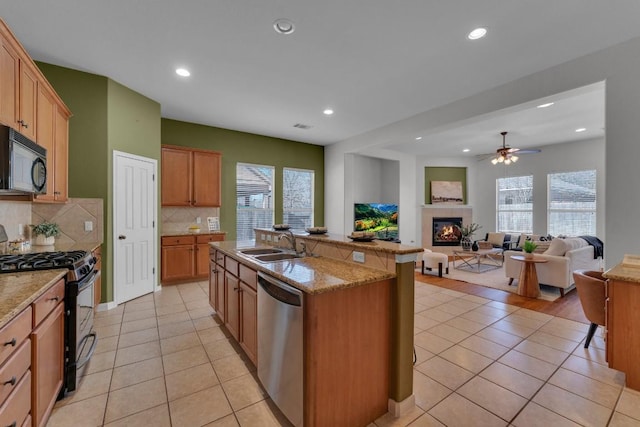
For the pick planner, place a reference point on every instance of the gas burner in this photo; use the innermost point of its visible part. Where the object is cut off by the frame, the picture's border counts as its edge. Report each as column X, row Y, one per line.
column 76, row 261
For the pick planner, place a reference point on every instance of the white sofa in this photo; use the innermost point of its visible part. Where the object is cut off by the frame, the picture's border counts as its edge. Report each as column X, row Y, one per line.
column 563, row 256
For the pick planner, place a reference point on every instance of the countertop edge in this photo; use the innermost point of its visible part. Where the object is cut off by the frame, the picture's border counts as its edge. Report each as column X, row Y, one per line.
column 621, row 272
column 18, row 300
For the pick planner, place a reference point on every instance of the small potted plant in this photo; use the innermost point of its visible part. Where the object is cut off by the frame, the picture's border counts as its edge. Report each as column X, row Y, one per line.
column 45, row 233
column 528, row 247
column 467, row 232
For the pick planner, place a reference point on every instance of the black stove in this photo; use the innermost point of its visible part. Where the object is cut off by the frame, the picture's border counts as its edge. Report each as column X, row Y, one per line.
column 79, row 263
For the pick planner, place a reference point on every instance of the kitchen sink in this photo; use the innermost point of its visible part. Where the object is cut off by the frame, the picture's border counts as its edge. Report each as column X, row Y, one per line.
column 261, row 251
column 276, row 257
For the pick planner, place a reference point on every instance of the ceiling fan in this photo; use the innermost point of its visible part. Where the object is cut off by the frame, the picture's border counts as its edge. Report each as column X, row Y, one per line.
column 506, row 154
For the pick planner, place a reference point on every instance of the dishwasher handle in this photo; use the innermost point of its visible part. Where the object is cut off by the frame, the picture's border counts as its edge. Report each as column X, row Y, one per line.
column 279, row 290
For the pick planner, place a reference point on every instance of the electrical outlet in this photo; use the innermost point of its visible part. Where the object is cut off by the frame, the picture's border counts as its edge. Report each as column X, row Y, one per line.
column 198, row 220
column 88, row 226
column 358, row 256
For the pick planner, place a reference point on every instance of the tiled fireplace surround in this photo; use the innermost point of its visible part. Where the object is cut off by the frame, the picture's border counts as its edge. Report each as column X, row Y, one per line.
column 436, row 211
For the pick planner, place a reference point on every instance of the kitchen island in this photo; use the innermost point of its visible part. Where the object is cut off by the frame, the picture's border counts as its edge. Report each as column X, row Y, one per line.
column 358, row 320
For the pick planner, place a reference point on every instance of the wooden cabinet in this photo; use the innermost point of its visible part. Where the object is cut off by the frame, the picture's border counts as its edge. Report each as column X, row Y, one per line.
column 30, row 105
column 186, row 257
column 52, row 131
column 32, row 360
column 232, row 294
column 178, row 261
column 190, row 177
column 47, row 364
column 622, row 318
column 216, row 283
column 97, row 289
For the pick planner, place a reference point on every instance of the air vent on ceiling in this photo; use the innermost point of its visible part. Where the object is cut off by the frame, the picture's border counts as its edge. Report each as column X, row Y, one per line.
column 302, row 126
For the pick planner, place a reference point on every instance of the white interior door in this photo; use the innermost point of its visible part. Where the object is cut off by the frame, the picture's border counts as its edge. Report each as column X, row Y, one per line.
column 134, row 204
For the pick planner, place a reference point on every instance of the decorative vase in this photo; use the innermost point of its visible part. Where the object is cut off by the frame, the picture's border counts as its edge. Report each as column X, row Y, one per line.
column 41, row 240
column 474, row 246
column 466, row 244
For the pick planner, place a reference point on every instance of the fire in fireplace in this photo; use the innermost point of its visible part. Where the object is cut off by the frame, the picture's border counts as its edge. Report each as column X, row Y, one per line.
column 446, row 231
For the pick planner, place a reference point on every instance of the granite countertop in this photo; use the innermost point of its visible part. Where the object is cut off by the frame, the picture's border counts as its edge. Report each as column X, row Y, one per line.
column 342, row 240
column 310, row 274
column 628, row 270
column 19, row 290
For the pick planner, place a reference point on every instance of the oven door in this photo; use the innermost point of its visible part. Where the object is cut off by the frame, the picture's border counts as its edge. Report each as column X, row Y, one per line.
column 81, row 341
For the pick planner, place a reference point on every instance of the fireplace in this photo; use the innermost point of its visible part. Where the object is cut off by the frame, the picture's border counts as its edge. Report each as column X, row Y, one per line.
column 446, row 231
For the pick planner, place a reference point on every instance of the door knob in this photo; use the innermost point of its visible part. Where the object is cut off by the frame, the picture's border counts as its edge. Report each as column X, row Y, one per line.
column 122, row 237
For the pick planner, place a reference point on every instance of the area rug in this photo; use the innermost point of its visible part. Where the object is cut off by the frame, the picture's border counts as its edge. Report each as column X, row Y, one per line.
column 496, row 279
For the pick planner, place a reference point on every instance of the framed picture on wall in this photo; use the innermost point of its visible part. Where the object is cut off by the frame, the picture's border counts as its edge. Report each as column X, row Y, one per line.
column 449, row 192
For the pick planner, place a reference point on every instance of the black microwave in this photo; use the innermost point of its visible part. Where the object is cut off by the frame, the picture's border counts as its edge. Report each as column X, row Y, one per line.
column 23, row 163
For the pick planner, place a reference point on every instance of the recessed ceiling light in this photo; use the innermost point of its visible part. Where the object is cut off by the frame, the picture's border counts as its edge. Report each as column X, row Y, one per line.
column 466, row 150
column 548, row 104
column 418, row 138
column 478, row 33
column 581, row 129
column 328, row 112
column 283, row 26
column 183, row 72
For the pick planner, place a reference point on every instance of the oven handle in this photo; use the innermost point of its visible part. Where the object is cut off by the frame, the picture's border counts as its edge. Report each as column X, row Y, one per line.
column 82, row 362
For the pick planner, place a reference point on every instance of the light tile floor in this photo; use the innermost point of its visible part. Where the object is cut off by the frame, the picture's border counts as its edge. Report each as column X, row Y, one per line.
column 162, row 360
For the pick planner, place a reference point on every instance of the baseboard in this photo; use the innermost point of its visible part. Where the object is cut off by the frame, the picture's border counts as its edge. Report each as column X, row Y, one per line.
column 398, row 409
column 104, row 306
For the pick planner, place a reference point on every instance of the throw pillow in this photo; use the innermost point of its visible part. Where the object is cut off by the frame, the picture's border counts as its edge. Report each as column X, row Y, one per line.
column 542, row 247
column 524, row 237
column 556, row 247
column 496, row 239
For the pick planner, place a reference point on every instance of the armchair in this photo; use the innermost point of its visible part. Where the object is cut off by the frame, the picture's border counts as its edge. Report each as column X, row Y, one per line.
column 591, row 291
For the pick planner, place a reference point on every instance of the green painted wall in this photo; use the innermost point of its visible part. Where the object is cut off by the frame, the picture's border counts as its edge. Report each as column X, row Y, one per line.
column 249, row 148
column 106, row 116
column 444, row 174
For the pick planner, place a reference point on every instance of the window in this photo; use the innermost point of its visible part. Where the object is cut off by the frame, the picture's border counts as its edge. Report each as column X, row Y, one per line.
column 254, row 195
column 515, row 204
column 297, row 195
column 572, row 203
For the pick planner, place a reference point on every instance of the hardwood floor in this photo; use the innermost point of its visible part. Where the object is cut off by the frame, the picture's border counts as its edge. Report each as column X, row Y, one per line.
column 567, row 307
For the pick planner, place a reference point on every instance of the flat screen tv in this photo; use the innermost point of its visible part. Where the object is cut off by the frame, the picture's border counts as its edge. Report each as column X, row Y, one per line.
column 381, row 218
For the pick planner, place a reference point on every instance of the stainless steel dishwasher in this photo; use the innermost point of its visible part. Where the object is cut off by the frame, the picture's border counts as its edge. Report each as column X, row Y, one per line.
column 280, row 338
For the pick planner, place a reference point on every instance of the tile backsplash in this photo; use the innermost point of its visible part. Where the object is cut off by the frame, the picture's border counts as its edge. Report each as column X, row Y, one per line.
column 178, row 219
column 14, row 214
column 70, row 216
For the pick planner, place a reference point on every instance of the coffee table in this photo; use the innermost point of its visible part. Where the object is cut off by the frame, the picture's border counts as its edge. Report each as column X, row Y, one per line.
column 478, row 261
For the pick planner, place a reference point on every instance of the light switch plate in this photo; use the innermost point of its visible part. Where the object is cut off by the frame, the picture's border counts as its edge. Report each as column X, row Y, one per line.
column 88, row 226
column 358, row 256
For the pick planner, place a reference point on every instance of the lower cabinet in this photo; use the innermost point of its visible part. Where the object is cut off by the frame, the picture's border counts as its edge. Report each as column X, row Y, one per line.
column 32, row 360
column 47, row 364
column 232, row 294
column 186, row 257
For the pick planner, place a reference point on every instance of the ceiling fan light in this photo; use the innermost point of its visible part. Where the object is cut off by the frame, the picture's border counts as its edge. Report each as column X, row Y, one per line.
column 507, row 161
column 494, row 161
column 514, row 158
column 500, row 159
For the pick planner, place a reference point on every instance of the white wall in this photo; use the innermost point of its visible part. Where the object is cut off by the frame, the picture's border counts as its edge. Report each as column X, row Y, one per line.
column 619, row 65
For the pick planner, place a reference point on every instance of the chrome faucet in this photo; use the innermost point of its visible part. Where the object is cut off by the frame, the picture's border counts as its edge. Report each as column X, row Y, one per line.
column 291, row 238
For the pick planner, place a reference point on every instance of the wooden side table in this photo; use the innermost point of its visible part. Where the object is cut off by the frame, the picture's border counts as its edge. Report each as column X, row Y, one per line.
column 528, row 285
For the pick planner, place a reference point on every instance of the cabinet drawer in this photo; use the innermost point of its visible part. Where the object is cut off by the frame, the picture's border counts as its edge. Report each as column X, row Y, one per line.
column 12, row 335
column 231, row 265
column 217, row 257
column 14, row 369
column 178, row 240
column 249, row 276
column 17, row 406
column 210, row 238
column 47, row 302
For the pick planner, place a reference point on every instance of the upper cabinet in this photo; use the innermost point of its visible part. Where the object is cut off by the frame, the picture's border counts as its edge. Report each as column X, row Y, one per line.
column 29, row 104
column 190, row 177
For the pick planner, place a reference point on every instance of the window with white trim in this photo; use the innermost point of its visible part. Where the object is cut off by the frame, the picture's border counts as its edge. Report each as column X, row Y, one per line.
column 254, row 195
column 297, row 197
column 571, row 206
column 514, row 197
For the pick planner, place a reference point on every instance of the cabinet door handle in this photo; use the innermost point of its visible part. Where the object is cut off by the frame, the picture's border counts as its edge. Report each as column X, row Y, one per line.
column 12, row 343
column 122, row 237
column 12, row 381
column 23, row 123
